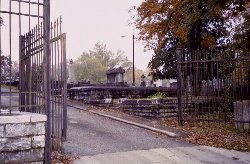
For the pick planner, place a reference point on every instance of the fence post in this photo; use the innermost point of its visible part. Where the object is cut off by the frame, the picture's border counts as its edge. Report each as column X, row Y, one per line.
column 21, row 73
column 47, row 88
column 179, row 87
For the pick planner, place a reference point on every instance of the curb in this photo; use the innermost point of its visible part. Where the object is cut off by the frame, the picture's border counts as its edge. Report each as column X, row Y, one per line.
column 168, row 133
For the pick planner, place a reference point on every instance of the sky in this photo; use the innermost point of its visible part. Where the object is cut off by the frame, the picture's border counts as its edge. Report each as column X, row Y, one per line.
column 87, row 22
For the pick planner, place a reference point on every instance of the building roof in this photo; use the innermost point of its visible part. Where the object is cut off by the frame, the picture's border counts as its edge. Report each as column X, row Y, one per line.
column 115, row 70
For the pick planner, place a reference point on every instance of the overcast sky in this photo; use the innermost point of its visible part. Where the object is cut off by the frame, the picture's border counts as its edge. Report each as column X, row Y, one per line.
column 87, row 22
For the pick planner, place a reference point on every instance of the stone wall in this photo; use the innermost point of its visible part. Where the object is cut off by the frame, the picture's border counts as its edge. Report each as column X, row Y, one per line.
column 87, row 93
column 22, row 138
column 155, row 108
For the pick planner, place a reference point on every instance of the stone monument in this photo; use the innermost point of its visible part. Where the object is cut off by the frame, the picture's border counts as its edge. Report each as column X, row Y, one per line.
column 115, row 75
column 72, row 78
column 143, row 81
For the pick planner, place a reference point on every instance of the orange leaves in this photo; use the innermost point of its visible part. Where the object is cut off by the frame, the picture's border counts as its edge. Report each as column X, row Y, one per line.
column 152, row 21
column 156, row 19
column 213, row 134
column 208, row 41
column 180, row 32
column 58, row 158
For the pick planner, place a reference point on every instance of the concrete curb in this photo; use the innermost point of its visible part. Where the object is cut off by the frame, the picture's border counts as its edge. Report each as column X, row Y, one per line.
column 168, row 133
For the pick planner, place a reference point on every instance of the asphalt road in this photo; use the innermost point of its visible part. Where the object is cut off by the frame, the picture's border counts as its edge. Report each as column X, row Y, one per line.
column 100, row 140
column 89, row 134
column 5, row 97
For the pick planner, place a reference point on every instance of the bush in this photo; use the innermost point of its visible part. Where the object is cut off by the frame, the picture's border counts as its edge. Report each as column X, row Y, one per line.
column 158, row 95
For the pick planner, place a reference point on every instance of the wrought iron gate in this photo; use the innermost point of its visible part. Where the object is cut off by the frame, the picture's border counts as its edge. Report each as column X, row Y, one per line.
column 32, row 81
column 42, row 65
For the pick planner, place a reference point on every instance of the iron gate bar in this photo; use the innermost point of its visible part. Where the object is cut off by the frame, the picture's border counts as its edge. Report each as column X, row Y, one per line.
column 64, row 91
column 0, row 57
column 10, row 49
column 22, row 14
column 35, row 3
column 180, row 118
column 47, row 89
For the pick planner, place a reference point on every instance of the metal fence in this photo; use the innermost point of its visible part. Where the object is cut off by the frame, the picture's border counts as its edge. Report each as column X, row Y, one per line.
column 41, row 51
column 212, row 84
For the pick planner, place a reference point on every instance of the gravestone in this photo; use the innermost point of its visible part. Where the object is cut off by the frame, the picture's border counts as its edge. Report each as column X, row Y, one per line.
column 206, row 88
column 143, row 81
column 242, row 113
column 72, row 78
column 115, row 76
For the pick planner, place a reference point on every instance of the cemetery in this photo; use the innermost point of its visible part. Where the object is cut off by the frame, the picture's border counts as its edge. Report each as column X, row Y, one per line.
column 136, row 99
column 195, row 81
column 115, row 88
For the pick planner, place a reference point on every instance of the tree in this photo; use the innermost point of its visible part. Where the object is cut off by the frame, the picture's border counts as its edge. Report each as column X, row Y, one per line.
column 242, row 34
column 6, row 69
column 88, row 67
column 93, row 65
column 241, row 44
column 8, row 66
column 196, row 23
column 129, row 76
column 193, row 24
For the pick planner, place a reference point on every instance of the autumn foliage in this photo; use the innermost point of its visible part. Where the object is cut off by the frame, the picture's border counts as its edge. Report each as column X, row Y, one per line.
column 196, row 23
column 192, row 24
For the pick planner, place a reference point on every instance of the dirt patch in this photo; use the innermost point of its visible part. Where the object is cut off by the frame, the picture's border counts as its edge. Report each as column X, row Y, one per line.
column 222, row 135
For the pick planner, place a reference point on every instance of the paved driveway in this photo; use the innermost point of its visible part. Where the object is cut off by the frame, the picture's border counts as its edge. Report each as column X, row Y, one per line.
column 5, row 98
column 89, row 134
column 100, row 140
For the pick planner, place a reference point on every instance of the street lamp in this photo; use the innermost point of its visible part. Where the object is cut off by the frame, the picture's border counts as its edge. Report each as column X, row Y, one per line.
column 133, row 84
column 133, row 60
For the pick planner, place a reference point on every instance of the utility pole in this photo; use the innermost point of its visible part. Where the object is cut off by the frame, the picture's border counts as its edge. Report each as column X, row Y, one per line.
column 133, row 60
column 133, row 84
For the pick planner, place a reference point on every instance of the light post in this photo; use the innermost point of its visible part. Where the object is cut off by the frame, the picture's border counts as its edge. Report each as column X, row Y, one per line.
column 133, row 84
column 133, row 60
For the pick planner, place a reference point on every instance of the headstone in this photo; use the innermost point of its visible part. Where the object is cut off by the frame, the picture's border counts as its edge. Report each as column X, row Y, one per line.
column 242, row 113
column 122, row 100
column 149, row 83
column 206, row 88
column 108, row 101
column 189, row 85
column 143, row 81
column 115, row 75
column 72, row 78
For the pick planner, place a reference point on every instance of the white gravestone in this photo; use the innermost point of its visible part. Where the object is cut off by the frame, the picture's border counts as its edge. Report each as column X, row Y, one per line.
column 72, row 78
